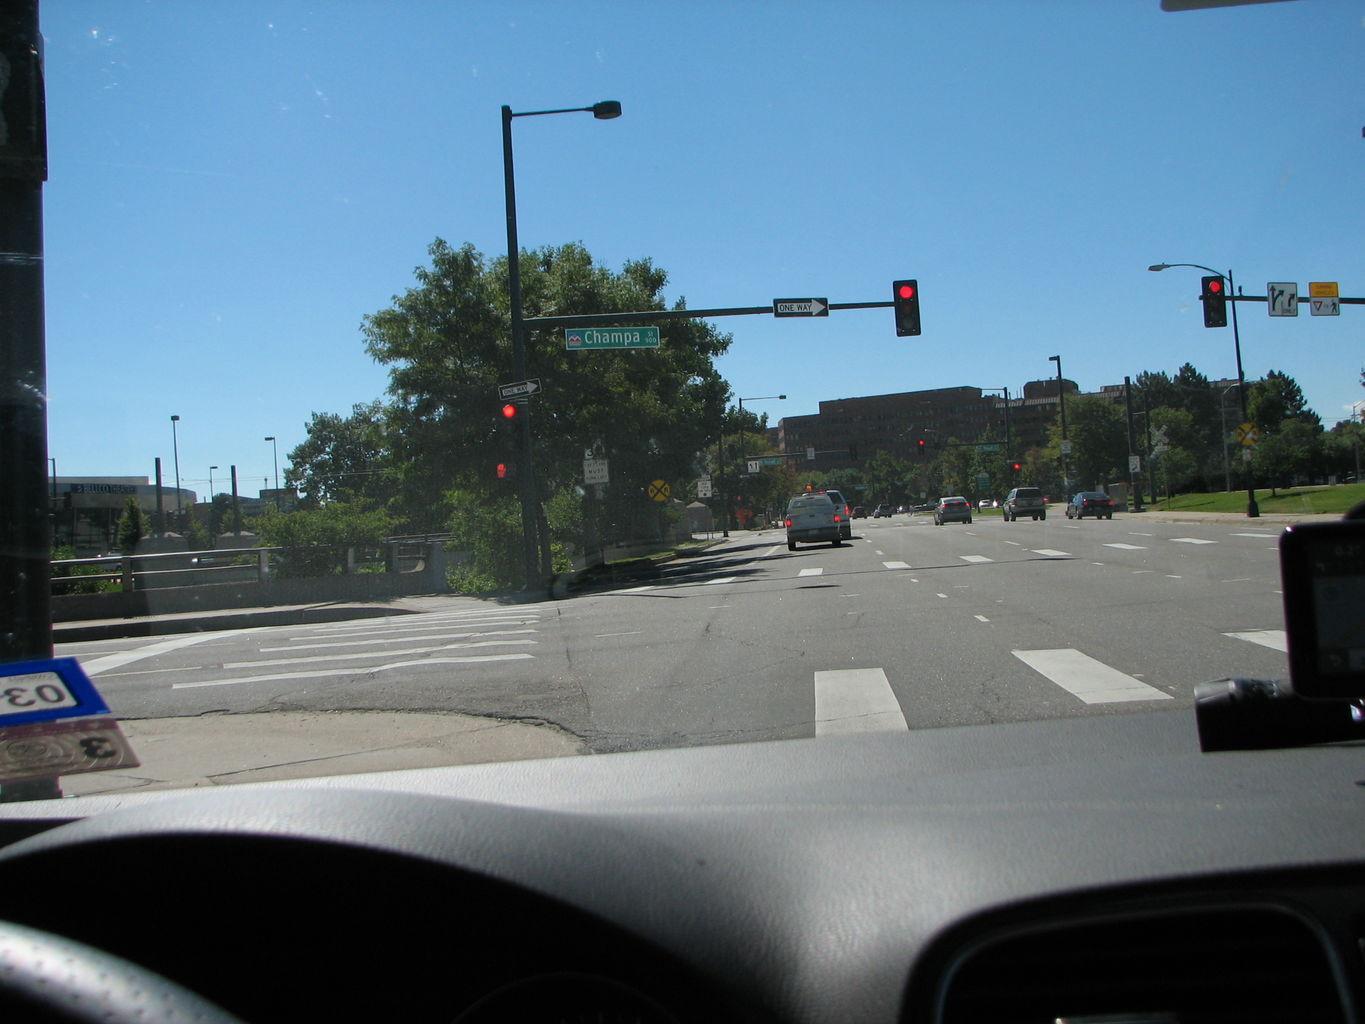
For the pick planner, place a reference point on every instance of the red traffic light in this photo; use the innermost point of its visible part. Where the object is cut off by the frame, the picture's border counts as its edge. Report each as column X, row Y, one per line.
column 502, row 471
column 1016, row 467
column 905, row 299
column 1215, row 285
column 906, row 290
column 509, row 411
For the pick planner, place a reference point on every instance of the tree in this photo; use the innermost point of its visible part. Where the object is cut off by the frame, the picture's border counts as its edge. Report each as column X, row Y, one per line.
column 1277, row 398
column 1099, row 441
column 314, row 537
column 446, row 342
column 1287, row 452
column 132, row 526
column 343, row 458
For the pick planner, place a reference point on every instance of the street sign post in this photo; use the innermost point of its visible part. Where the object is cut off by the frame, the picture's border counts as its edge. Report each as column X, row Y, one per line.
column 1282, row 298
column 521, row 389
column 1135, row 464
column 582, row 339
column 703, row 487
column 595, row 471
column 800, row 307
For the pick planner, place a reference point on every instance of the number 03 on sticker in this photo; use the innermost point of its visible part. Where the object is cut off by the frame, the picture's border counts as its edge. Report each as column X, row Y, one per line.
column 53, row 722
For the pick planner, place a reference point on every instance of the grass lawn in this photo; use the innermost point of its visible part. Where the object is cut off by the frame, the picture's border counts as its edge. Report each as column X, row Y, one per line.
column 1297, row 499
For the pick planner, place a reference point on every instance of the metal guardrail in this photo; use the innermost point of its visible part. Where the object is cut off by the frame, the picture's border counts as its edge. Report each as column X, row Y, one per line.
column 224, row 565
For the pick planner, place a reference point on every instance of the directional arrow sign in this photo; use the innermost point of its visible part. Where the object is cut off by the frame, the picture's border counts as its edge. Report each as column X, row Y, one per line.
column 800, row 307
column 521, row 387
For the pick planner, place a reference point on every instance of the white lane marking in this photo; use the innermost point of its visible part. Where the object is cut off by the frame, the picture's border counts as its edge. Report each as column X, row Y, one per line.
column 896, row 565
column 982, row 618
column 1275, row 639
column 1015, row 543
column 855, row 700
column 811, row 572
column 1240, row 579
column 771, row 551
column 878, row 553
column 1128, row 547
column 399, row 623
column 332, row 634
column 1191, row 540
column 723, row 579
column 113, row 661
column 316, row 658
column 364, row 671
column 1169, row 576
column 638, row 590
column 1142, row 572
column 1092, row 681
column 944, row 596
column 975, row 558
column 603, row 636
column 913, row 580
column 1262, row 535
column 1132, row 534
column 396, row 639
column 1050, row 553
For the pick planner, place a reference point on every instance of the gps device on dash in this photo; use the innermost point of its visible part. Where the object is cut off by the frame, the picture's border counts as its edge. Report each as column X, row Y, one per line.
column 1322, row 566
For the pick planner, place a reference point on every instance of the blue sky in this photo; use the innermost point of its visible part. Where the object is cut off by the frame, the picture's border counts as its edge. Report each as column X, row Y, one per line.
column 234, row 186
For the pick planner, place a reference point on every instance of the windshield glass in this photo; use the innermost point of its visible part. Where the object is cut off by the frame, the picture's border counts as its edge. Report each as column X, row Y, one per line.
column 331, row 488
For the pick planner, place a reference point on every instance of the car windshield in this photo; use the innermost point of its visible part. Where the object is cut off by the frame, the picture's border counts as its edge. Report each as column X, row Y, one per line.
column 309, row 480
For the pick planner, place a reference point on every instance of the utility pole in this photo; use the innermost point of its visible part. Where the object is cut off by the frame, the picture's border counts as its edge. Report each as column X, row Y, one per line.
column 1133, row 485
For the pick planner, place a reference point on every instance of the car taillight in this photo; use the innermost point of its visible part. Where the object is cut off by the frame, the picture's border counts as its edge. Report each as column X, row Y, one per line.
column 789, row 522
column 836, row 517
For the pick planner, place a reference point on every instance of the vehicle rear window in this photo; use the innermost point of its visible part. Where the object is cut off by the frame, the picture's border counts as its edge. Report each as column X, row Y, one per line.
column 807, row 503
column 1027, row 492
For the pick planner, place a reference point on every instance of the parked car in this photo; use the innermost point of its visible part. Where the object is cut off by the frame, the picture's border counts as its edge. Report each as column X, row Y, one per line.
column 954, row 509
column 859, row 512
column 1090, row 503
column 845, row 511
column 1025, row 501
column 880, row 511
column 812, row 518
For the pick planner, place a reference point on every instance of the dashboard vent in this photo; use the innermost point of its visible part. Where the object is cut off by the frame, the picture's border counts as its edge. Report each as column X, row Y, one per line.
column 1248, row 966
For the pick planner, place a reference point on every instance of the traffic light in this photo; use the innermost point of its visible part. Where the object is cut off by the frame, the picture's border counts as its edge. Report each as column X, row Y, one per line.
column 1215, row 299
column 503, row 470
column 921, row 445
column 1016, row 466
column 509, row 411
column 906, row 296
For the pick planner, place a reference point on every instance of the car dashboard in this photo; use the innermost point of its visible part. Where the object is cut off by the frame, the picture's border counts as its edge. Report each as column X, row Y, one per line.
column 1076, row 869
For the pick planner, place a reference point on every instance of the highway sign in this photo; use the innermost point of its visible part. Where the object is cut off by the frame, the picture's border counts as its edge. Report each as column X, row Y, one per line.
column 1282, row 298
column 578, row 339
column 595, row 471
column 800, row 307
column 520, row 388
column 752, row 466
column 659, row 490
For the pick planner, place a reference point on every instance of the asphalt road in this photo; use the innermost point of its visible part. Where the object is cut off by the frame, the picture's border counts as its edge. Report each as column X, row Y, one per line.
column 908, row 626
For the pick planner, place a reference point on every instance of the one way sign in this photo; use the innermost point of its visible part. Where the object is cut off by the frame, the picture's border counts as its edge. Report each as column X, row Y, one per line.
column 800, row 307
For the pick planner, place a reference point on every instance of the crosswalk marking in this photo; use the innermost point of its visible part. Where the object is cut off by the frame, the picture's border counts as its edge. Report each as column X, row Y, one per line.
column 811, row 572
column 975, row 558
column 1128, row 547
column 1191, row 540
column 322, row 673
column 855, row 700
column 1050, row 553
column 113, row 661
column 1275, row 639
column 723, row 579
column 896, row 565
column 1261, row 535
column 1092, row 681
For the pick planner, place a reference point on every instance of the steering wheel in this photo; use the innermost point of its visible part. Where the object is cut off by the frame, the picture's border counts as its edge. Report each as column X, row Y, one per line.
column 48, row 979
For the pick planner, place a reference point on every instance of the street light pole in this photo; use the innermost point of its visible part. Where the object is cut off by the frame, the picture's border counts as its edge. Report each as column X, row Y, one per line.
column 175, row 451
column 604, row 110
column 1061, row 398
column 275, row 450
column 1253, row 509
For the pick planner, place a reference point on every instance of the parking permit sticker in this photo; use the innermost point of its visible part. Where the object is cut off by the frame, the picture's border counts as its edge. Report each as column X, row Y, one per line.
column 40, row 691
column 49, row 749
column 53, row 722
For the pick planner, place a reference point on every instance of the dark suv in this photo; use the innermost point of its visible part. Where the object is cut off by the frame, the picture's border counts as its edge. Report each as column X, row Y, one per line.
column 1025, row 501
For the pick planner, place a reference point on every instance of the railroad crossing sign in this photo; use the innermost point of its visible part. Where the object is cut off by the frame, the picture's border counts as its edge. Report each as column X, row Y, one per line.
column 1248, row 434
column 659, row 490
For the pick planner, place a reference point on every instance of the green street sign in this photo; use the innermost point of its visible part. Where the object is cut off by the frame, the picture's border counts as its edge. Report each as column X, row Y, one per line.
column 581, row 339
column 772, row 461
column 989, row 447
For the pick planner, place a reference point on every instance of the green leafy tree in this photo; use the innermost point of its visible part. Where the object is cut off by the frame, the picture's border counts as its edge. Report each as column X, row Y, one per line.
column 1342, row 447
column 1277, row 398
column 132, row 526
column 1099, row 441
column 446, row 343
column 315, row 538
column 343, row 458
column 1290, row 451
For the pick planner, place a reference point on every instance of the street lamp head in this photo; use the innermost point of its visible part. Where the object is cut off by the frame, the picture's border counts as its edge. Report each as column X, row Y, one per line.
column 1160, row 266
column 1055, row 359
column 782, row 397
column 271, row 438
column 606, row 110
column 175, row 419
column 215, row 467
